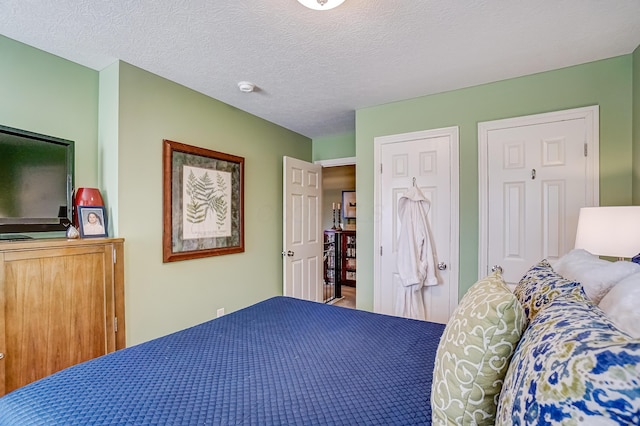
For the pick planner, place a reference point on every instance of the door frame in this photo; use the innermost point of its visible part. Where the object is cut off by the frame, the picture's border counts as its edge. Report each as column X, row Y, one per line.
column 454, row 172
column 346, row 161
column 591, row 116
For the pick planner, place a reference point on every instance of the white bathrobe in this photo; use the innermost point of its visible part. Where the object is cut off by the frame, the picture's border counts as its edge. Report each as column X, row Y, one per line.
column 415, row 256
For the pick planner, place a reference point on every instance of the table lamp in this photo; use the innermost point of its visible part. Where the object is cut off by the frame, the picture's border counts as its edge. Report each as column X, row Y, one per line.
column 609, row 231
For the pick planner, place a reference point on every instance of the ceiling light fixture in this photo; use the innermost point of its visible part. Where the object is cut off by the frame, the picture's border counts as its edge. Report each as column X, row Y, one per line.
column 321, row 4
column 246, row 86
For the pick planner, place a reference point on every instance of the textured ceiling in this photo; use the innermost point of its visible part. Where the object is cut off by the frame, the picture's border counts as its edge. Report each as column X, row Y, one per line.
column 314, row 69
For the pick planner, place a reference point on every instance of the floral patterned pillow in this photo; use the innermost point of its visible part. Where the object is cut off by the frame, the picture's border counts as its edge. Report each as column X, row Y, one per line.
column 572, row 366
column 540, row 285
column 474, row 354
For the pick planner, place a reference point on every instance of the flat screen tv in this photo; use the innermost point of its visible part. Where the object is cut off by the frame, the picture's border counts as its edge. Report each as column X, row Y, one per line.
column 36, row 182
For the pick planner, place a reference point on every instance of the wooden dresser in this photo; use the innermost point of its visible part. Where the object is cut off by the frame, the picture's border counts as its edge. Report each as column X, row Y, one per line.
column 61, row 303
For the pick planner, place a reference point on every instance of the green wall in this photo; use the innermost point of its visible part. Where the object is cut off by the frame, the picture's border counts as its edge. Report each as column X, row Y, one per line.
column 108, row 141
column 335, row 146
column 636, row 126
column 605, row 83
column 43, row 93
column 118, row 119
column 161, row 298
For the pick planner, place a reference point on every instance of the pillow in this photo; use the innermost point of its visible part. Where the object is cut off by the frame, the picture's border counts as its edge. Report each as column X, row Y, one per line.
column 622, row 305
column 539, row 286
column 474, row 353
column 572, row 366
column 596, row 275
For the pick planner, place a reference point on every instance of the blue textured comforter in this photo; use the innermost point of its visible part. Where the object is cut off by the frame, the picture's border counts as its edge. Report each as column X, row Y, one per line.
column 279, row 362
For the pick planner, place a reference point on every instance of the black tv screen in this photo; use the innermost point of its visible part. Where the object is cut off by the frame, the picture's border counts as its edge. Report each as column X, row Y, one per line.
column 36, row 182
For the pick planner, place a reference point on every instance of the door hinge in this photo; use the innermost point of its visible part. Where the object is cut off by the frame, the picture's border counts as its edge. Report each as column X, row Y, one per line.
column 380, row 168
column 586, row 149
column 380, row 250
column 115, row 324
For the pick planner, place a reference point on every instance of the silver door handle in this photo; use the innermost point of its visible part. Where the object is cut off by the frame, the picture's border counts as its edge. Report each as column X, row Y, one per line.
column 496, row 268
column 442, row 266
column 288, row 253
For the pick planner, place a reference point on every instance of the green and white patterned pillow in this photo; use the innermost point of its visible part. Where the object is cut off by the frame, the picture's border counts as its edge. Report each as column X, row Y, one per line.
column 474, row 354
column 572, row 366
column 540, row 286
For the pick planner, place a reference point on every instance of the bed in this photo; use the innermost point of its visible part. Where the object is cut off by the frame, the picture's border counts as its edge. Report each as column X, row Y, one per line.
column 280, row 361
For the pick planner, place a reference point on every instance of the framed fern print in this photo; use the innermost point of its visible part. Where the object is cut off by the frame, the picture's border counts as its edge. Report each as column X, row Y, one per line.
column 203, row 202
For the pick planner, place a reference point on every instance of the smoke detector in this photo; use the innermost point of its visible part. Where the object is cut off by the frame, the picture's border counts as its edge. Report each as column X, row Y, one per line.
column 246, row 86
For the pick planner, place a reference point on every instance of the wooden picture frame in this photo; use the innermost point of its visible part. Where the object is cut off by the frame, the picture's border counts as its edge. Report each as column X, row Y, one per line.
column 203, row 202
column 92, row 221
column 349, row 204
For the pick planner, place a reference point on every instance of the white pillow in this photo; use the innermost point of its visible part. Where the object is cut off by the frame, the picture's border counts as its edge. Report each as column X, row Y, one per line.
column 596, row 275
column 622, row 305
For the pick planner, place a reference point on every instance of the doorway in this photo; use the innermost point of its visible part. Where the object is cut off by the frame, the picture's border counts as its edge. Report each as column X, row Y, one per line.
column 340, row 275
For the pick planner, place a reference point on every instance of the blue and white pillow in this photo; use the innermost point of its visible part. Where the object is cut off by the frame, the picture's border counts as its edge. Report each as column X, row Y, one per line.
column 572, row 366
column 540, row 286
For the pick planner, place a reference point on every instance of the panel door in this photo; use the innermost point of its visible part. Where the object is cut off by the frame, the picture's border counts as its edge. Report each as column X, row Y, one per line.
column 425, row 159
column 302, row 230
column 537, row 176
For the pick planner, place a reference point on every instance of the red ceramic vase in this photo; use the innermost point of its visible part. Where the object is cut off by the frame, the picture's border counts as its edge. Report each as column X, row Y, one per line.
column 86, row 197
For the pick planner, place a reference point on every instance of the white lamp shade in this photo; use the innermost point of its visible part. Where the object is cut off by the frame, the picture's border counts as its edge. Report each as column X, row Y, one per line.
column 609, row 231
column 321, row 5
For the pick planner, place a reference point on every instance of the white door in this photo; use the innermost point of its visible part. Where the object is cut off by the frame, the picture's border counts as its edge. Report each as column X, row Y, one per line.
column 539, row 173
column 302, row 230
column 431, row 158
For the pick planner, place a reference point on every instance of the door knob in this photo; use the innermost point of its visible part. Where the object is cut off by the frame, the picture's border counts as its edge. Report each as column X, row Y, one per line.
column 288, row 253
column 442, row 266
column 496, row 268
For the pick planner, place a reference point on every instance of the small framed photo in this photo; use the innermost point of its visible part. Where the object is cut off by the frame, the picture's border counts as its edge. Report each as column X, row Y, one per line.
column 93, row 221
column 349, row 204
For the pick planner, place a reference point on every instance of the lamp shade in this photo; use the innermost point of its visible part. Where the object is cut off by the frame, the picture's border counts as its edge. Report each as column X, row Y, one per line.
column 609, row 231
column 321, row 4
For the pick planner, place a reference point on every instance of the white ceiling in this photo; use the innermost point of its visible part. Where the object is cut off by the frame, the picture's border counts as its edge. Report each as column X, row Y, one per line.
column 314, row 69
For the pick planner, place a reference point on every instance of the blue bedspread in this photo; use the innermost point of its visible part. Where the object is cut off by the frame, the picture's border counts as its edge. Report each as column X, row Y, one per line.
column 283, row 361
